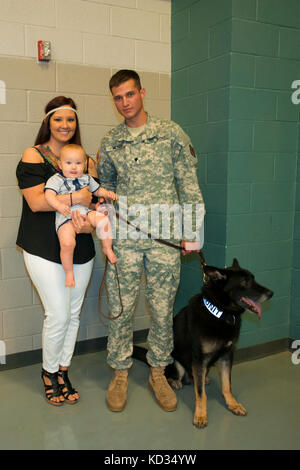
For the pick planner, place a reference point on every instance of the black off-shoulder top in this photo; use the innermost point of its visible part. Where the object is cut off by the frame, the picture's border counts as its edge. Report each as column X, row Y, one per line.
column 37, row 234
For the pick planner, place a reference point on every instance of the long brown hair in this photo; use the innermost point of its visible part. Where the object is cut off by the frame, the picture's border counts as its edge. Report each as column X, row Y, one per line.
column 44, row 133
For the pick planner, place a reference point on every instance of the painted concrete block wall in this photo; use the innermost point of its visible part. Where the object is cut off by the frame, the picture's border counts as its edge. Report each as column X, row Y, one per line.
column 295, row 303
column 233, row 65
column 90, row 40
column 200, row 103
column 263, row 138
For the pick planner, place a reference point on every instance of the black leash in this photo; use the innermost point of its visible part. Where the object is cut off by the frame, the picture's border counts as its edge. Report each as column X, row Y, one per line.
column 159, row 240
column 108, row 317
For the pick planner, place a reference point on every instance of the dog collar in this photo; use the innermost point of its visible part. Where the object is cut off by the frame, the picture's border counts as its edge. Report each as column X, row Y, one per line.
column 218, row 313
column 212, row 308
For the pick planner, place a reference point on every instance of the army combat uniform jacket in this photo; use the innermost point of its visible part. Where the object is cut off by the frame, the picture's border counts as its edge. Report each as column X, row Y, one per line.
column 158, row 167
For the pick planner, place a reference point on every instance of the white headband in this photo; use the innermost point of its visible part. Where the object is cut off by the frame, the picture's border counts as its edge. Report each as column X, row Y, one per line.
column 60, row 107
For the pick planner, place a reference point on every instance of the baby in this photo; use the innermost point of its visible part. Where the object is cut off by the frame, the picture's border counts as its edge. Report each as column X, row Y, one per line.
column 71, row 179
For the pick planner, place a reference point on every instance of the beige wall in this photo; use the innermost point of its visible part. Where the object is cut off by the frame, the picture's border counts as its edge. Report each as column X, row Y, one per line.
column 90, row 40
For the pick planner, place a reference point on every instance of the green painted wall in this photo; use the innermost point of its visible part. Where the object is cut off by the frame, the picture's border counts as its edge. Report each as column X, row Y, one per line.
column 233, row 63
column 295, row 310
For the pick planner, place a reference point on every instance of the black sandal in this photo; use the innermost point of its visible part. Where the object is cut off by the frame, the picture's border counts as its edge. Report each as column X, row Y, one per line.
column 53, row 390
column 66, row 388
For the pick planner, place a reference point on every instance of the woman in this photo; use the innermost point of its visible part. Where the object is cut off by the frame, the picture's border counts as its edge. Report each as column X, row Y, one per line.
column 37, row 237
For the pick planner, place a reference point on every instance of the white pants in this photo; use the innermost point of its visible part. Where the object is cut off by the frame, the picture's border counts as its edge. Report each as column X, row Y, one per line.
column 62, row 307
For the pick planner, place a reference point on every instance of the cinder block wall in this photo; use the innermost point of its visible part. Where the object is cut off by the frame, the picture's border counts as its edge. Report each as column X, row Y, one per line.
column 263, row 151
column 90, row 40
column 233, row 63
column 200, row 103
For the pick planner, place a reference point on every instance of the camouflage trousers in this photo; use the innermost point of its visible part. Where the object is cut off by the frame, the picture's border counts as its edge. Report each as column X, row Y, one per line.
column 162, row 270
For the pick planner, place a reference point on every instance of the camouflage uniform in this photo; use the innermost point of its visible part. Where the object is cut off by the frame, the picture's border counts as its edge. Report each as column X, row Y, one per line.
column 146, row 169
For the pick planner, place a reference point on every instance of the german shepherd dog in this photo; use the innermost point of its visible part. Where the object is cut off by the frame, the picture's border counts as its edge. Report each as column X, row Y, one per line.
column 206, row 332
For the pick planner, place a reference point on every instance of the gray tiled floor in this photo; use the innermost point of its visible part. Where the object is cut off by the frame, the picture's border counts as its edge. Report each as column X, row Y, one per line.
column 269, row 388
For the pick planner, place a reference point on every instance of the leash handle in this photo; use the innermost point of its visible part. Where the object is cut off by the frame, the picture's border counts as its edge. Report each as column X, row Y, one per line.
column 159, row 240
column 109, row 317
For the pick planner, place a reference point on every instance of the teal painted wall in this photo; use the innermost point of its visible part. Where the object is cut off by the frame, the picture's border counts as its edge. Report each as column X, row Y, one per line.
column 233, row 63
column 295, row 310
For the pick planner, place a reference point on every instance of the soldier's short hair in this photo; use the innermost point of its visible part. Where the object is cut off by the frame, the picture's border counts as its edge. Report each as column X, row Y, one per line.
column 123, row 76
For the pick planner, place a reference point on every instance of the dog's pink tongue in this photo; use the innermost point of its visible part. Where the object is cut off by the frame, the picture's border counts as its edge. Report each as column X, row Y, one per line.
column 256, row 305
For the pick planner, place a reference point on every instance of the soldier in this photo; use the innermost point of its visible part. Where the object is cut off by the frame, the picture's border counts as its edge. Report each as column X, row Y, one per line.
column 143, row 159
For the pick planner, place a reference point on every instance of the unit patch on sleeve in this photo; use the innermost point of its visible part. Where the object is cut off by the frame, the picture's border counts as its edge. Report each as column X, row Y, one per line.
column 98, row 156
column 192, row 151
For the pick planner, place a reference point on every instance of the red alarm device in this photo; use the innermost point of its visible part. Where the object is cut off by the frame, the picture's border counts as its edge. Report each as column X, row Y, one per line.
column 44, row 51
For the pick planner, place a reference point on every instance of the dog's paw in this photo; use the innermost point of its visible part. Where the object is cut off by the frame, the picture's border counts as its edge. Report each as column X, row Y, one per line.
column 200, row 421
column 238, row 409
column 176, row 384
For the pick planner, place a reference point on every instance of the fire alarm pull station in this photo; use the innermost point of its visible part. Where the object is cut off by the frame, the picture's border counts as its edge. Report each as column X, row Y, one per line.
column 44, row 51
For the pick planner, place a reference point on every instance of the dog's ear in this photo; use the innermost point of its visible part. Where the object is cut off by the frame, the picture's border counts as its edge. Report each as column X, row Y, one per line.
column 235, row 264
column 215, row 274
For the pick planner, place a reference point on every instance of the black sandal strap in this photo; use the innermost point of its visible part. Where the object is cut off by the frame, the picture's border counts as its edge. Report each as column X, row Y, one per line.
column 52, row 390
column 66, row 385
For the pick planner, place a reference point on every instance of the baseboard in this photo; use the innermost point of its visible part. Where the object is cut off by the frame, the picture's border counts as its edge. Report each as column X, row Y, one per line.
column 262, row 350
column 27, row 358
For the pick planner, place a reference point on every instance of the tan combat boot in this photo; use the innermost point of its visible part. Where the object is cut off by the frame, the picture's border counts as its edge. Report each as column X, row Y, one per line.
column 158, row 384
column 117, row 391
